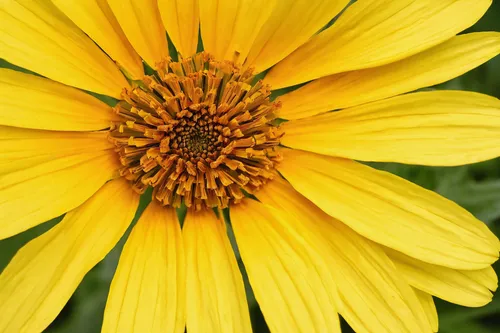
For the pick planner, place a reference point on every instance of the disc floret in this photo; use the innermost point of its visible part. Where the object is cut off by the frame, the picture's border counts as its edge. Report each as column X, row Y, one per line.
column 199, row 132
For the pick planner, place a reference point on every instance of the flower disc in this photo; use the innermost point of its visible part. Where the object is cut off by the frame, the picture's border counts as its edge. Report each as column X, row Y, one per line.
column 199, row 132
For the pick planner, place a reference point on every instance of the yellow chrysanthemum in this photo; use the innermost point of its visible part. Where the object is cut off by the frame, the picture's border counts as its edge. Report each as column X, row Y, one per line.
column 319, row 234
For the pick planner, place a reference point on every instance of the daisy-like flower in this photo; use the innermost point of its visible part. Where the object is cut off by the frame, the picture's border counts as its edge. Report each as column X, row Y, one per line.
column 320, row 235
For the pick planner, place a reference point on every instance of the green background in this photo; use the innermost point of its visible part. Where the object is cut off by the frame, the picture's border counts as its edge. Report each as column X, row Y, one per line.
column 475, row 187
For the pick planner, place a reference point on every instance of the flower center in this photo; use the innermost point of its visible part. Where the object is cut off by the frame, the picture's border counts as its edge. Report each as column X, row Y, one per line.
column 198, row 132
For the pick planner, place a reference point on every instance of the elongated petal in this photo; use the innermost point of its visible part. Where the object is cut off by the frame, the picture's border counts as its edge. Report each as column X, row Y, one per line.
column 436, row 65
column 429, row 307
column 467, row 288
column 34, row 102
column 216, row 301
column 40, row 279
column 96, row 19
column 290, row 25
column 392, row 211
column 373, row 285
column 148, row 290
column 374, row 33
column 31, row 196
column 289, row 274
column 486, row 276
column 442, row 128
column 181, row 18
column 366, row 280
column 37, row 36
column 229, row 27
column 141, row 22
column 22, row 148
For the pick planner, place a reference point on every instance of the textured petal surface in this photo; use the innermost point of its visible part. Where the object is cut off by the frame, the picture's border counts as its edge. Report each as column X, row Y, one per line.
column 216, row 301
column 290, row 25
column 429, row 307
column 441, row 128
column 314, row 245
column 289, row 274
column 22, row 148
column 34, row 195
column 376, row 299
column 34, row 102
column 374, row 33
column 486, row 276
column 148, row 290
column 37, row 36
column 392, row 211
column 96, row 19
column 229, row 27
column 181, row 18
column 467, row 288
column 41, row 277
column 141, row 22
column 436, row 65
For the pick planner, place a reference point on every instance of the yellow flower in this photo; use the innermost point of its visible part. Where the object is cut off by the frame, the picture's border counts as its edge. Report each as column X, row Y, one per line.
column 319, row 234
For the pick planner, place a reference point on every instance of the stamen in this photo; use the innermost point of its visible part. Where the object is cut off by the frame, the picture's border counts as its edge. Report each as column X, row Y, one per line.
column 198, row 132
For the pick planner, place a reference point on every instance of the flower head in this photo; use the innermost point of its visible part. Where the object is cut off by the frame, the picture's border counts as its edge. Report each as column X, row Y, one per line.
column 319, row 234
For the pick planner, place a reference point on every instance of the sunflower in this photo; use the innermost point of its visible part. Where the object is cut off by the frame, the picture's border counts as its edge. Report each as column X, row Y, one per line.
column 197, row 127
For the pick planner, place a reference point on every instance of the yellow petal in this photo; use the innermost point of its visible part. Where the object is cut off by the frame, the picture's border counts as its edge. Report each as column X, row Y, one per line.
column 442, row 128
column 42, row 276
column 392, row 211
column 148, row 290
column 373, row 286
column 229, row 27
column 288, row 269
column 141, row 22
column 34, row 102
column 436, row 65
column 37, row 36
column 487, row 277
column 467, row 288
column 96, row 19
column 181, row 18
column 290, row 25
column 374, row 33
column 31, row 196
column 317, row 253
column 22, row 148
column 429, row 308
column 216, row 301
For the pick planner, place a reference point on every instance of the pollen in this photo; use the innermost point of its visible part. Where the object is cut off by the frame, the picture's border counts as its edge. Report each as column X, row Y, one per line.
column 199, row 131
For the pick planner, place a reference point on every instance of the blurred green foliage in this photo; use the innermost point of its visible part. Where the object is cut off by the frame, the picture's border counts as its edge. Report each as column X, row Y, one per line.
column 475, row 187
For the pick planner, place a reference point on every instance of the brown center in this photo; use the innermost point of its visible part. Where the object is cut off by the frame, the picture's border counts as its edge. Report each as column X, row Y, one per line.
column 199, row 132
